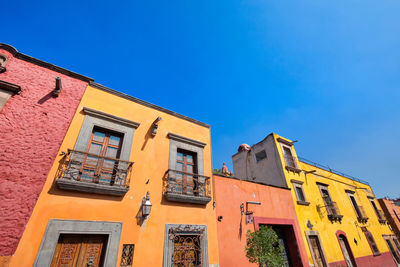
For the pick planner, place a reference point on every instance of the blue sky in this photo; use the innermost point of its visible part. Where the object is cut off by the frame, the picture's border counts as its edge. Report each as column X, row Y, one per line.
column 325, row 73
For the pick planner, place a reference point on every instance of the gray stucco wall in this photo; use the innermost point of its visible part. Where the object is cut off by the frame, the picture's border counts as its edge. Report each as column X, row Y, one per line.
column 267, row 171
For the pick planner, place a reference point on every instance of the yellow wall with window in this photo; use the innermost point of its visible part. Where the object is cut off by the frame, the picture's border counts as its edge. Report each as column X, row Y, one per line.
column 308, row 176
column 151, row 160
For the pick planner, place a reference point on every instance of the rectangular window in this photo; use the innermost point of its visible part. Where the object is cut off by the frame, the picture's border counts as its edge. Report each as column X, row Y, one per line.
column 186, row 168
column 298, row 188
column 331, row 206
column 371, row 241
column 379, row 213
column 358, row 209
column 187, row 250
column 300, row 194
column 185, row 245
column 7, row 90
column 127, row 255
column 261, row 155
column 101, row 160
column 185, row 180
column 287, row 153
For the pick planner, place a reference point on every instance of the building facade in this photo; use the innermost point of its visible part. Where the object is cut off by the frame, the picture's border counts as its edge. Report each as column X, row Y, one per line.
column 245, row 205
column 340, row 219
column 37, row 103
column 391, row 210
column 131, row 186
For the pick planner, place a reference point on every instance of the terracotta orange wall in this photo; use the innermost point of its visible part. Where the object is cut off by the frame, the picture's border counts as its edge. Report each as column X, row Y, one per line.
column 276, row 205
column 392, row 213
column 151, row 157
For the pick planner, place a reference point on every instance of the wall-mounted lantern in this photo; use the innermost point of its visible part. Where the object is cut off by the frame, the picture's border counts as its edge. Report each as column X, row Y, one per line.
column 146, row 205
column 155, row 126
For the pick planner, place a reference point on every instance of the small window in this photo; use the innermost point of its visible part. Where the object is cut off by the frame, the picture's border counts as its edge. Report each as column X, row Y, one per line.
column 3, row 62
column 289, row 159
column 371, row 241
column 378, row 212
column 331, row 207
column 300, row 193
column 127, row 255
column 357, row 208
column 187, row 250
column 298, row 188
column 261, row 155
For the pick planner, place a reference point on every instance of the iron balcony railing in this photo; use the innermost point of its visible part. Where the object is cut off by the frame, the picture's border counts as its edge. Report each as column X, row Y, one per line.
column 188, row 184
column 91, row 168
column 361, row 214
column 326, row 168
column 332, row 209
column 381, row 216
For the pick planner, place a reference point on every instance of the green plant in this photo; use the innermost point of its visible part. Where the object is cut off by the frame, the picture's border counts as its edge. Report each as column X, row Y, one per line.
column 217, row 171
column 263, row 247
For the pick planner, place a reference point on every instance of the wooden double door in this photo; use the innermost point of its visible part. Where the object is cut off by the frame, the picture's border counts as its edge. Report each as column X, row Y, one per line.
column 79, row 251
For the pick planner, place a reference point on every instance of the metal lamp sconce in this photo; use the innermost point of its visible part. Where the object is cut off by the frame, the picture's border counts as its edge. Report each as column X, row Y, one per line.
column 146, row 206
column 155, row 126
column 58, row 88
column 241, row 209
column 249, row 214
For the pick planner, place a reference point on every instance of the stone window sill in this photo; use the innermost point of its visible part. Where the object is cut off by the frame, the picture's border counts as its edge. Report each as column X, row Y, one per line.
column 305, row 203
column 293, row 169
column 187, row 198
column 92, row 188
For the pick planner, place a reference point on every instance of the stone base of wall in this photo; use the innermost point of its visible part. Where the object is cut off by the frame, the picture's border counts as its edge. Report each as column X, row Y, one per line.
column 5, row 261
column 385, row 259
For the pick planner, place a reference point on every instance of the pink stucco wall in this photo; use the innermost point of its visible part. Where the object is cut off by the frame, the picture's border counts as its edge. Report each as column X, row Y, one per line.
column 32, row 127
column 277, row 208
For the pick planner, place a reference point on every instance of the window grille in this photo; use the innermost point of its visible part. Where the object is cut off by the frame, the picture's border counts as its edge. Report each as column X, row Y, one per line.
column 127, row 255
column 187, row 251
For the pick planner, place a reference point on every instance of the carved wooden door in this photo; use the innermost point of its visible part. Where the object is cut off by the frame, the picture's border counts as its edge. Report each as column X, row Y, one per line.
column 317, row 252
column 79, row 251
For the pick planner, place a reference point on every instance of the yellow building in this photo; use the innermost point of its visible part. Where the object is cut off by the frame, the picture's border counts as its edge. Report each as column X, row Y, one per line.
column 131, row 187
column 339, row 216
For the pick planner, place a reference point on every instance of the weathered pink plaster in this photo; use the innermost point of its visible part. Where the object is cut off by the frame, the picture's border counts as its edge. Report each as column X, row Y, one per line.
column 32, row 127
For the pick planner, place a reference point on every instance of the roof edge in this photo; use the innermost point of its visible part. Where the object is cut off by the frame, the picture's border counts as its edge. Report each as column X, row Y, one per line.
column 44, row 64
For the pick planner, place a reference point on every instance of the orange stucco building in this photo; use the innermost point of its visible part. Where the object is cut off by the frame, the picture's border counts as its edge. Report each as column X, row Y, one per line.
column 131, row 186
column 391, row 209
column 246, row 205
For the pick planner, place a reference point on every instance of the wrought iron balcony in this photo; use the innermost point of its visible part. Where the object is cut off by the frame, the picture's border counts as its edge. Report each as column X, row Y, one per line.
column 361, row 215
column 333, row 211
column 187, row 187
column 91, row 173
column 381, row 216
